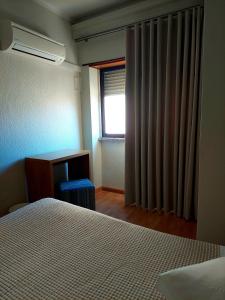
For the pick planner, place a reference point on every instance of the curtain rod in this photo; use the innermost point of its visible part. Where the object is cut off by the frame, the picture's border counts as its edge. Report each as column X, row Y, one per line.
column 121, row 28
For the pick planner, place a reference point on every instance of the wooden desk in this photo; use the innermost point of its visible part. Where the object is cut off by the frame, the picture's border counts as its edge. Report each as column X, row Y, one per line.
column 40, row 171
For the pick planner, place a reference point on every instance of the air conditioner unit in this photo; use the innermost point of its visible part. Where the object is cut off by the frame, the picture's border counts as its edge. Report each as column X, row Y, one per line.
column 17, row 39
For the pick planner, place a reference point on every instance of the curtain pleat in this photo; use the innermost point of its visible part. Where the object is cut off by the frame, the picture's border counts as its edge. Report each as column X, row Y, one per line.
column 190, row 117
column 137, row 112
column 159, row 108
column 151, row 196
column 197, row 93
column 177, row 106
column 130, row 196
column 183, row 116
column 190, row 209
column 167, row 105
column 162, row 112
column 144, row 106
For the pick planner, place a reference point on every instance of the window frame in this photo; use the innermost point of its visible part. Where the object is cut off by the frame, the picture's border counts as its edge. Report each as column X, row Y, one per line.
column 102, row 94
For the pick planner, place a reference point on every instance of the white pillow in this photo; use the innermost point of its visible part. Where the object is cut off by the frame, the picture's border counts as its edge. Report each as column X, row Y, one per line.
column 204, row 281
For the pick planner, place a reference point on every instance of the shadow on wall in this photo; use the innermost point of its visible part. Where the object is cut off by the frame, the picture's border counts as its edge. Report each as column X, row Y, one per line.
column 13, row 186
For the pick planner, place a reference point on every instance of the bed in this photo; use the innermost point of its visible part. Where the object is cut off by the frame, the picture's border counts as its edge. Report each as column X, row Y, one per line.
column 55, row 250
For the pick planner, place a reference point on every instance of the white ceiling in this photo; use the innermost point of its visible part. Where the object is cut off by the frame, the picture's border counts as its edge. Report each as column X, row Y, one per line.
column 81, row 9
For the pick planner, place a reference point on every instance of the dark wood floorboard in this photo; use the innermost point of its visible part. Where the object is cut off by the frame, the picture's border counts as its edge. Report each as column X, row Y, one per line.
column 112, row 204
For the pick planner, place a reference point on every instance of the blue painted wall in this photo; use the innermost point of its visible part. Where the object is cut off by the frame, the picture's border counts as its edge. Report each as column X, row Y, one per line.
column 39, row 104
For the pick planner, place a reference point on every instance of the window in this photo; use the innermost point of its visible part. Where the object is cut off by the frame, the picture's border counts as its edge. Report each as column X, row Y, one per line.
column 113, row 101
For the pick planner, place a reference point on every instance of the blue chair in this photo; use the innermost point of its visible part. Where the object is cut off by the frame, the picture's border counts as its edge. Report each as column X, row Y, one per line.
column 79, row 192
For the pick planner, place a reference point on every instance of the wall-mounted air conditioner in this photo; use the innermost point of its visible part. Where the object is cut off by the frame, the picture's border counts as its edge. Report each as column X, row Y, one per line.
column 17, row 39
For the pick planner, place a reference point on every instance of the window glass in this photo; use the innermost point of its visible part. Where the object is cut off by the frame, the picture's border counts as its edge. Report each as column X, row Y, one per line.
column 113, row 101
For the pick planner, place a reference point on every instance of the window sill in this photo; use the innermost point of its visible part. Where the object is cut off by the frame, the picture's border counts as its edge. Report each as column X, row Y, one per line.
column 110, row 139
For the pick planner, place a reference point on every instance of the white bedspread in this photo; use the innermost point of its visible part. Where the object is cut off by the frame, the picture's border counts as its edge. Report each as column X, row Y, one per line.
column 54, row 250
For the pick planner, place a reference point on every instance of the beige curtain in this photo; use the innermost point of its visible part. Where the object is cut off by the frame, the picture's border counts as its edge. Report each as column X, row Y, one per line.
column 162, row 112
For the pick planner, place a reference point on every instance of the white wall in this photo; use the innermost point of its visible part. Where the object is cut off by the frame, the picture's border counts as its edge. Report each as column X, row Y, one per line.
column 91, row 121
column 113, row 155
column 211, row 210
column 86, row 108
column 102, row 48
column 95, row 126
column 39, row 103
column 98, row 49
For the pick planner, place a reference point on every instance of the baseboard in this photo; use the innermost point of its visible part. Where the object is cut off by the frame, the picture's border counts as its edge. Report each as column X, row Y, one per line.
column 113, row 190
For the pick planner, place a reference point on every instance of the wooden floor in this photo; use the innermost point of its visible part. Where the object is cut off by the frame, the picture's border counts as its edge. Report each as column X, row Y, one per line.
column 112, row 204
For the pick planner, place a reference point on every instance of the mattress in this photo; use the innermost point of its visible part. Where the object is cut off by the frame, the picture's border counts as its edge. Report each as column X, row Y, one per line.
column 55, row 250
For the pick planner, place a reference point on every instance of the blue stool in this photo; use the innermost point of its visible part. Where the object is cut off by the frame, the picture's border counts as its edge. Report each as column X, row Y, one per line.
column 79, row 192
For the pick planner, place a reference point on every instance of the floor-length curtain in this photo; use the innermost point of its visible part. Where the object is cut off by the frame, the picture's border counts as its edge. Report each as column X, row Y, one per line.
column 162, row 112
